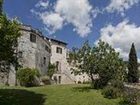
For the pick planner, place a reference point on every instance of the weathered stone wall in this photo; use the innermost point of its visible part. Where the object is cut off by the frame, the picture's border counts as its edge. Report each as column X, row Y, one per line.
column 7, row 74
column 65, row 73
column 33, row 54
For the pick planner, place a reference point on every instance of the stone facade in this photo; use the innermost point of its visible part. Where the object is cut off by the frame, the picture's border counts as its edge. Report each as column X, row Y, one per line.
column 59, row 58
column 33, row 50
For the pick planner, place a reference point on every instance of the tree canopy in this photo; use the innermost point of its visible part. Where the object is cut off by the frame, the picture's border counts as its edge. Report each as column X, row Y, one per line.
column 9, row 32
column 101, row 60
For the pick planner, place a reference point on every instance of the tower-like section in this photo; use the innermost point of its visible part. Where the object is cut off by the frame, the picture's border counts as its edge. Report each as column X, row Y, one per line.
column 59, row 58
column 33, row 49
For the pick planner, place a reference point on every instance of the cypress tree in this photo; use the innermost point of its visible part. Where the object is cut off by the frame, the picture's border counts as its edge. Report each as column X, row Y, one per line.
column 133, row 76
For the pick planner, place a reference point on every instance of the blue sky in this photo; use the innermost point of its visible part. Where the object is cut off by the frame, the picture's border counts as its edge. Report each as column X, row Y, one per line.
column 114, row 21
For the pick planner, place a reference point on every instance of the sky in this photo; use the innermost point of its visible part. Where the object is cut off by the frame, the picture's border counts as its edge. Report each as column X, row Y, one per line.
column 116, row 22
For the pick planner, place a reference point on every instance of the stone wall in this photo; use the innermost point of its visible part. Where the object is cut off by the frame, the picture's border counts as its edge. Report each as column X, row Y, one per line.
column 7, row 74
column 33, row 54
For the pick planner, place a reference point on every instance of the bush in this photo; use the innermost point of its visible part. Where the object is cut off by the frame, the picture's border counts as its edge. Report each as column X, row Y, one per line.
column 111, row 92
column 99, row 84
column 46, row 80
column 117, row 84
column 131, row 98
column 28, row 77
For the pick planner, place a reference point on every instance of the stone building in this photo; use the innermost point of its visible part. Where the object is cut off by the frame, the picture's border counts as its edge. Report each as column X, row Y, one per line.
column 59, row 58
column 33, row 49
column 36, row 51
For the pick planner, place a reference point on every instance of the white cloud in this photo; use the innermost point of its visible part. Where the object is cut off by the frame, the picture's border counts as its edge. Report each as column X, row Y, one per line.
column 52, row 20
column 120, row 5
column 75, row 12
column 121, row 37
column 42, row 4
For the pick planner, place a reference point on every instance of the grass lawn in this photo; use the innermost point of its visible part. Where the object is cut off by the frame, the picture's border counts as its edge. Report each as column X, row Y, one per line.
column 54, row 95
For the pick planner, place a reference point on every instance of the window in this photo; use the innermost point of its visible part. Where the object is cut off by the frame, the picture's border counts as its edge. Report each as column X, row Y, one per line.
column 32, row 38
column 59, row 50
column 57, row 65
column 46, row 48
column 44, row 60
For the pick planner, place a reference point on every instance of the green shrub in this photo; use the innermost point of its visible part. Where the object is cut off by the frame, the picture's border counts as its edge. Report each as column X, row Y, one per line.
column 111, row 92
column 46, row 80
column 117, row 84
column 131, row 97
column 98, row 84
column 28, row 77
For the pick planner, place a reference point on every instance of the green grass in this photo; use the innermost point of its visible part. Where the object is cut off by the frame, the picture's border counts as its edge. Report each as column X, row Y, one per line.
column 54, row 95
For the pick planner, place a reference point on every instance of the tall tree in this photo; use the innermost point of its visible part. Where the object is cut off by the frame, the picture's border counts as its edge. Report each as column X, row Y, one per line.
column 9, row 33
column 133, row 73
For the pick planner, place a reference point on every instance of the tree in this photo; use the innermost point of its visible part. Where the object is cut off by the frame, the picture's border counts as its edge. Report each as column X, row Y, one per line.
column 133, row 75
column 9, row 33
column 102, row 60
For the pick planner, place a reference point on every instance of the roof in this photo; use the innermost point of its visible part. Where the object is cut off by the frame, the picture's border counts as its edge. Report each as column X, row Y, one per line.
column 40, row 33
column 58, row 41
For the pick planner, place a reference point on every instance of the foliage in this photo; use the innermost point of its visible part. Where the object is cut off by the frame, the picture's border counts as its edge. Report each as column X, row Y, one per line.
column 131, row 97
column 100, row 59
column 114, row 89
column 51, row 70
column 133, row 73
column 111, row 92
column 9, row 32
column 27, row 77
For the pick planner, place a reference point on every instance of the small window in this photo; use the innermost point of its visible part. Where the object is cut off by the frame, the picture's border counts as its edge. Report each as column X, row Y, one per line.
column 57, row 65
column 46, row 48
column 59, row 50
column 44, row 61
column 33, row 38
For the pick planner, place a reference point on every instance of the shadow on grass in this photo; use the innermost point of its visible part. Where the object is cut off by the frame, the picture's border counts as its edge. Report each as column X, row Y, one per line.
column 20, row 97
column 81, row 89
